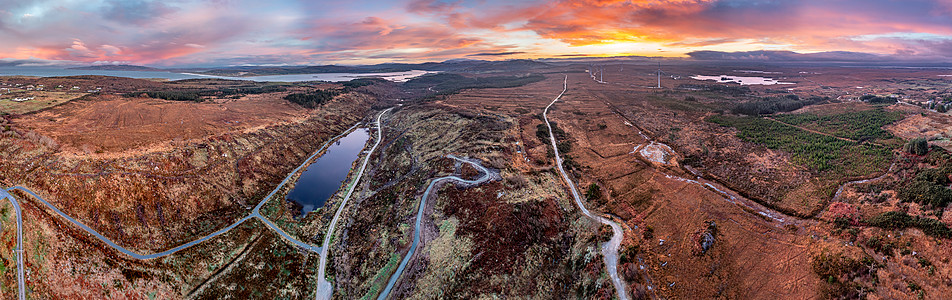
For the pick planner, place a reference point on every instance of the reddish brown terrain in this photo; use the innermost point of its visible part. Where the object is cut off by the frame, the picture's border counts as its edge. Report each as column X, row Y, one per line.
column 115, row 124
column 815, row 189
column 639, row 193
column 151, row 174
column 767, row 212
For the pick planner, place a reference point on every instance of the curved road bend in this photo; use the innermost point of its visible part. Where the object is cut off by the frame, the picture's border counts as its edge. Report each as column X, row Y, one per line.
column 324, row 288
column 419, row 218
column 609, row 249
column 255, row 214
column 21, row 294
column 120, row 248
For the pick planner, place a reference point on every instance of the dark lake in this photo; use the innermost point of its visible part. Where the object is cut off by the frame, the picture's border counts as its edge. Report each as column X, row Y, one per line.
column 324, row 177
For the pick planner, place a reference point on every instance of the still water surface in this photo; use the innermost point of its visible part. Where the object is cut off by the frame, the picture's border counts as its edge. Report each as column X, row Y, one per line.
column 324, row 177
column 333, row 77
column 743, row 80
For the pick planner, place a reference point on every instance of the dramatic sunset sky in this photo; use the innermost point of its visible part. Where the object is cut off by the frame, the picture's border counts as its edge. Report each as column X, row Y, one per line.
column 238, row 32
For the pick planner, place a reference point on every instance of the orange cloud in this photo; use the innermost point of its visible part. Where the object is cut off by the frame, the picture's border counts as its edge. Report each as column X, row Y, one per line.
column 376, row 35
column 804, row 25
column 230, row 32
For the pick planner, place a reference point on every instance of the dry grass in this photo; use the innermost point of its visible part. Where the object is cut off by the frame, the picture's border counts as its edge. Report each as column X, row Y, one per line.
column 110, row 124
column 41, row 100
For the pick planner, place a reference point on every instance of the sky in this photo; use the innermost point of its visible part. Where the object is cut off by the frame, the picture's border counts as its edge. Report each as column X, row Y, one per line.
column 173, row 33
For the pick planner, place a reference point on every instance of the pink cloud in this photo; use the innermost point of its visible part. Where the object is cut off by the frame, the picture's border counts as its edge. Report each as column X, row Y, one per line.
column 245, row 31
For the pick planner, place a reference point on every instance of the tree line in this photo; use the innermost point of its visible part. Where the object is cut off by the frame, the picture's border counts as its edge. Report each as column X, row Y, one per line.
column 772, row 105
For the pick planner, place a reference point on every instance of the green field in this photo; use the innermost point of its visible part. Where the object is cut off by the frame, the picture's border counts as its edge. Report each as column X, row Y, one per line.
column 818, row 152
column 860, row 126
column 42, row 100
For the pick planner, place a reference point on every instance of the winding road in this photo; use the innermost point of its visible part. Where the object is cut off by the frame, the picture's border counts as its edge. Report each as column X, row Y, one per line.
column 19, row 250
column 255, row 214
column 324, row 288
column 419, row 217
column 609, row 249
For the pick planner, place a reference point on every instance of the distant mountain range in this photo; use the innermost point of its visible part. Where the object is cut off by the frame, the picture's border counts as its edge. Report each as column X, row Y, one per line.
column 831, row 58
column 459, row 65
column 469, row 65
column 764, row 55
column 118, row 68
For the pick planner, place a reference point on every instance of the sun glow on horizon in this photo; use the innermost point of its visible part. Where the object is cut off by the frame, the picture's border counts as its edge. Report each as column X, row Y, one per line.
column 193, row 32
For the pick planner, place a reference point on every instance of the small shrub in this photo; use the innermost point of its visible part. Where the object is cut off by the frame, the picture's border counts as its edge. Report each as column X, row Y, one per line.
column 648, row 233
column 517, row 181
column 923, row 262
column 594, row 192
column 917, row 146
column 628, row 254
column 926, row 193
column 839, row 273
column 881, row 245
column 899, row 220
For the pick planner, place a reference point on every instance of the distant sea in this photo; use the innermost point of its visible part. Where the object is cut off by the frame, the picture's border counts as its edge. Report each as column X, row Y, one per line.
column 333, row 77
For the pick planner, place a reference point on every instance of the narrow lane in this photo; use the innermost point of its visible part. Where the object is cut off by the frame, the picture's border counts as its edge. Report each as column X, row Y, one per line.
column 419, row 218
column 609, row 249
column 255, row 214
column 21, row 290
column 324, row 288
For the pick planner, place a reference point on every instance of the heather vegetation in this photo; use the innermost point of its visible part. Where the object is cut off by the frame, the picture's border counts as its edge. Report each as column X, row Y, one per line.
column 929, row 187
column 844, row 275
column 562, row 139
column 520, row 234
column 899, row 220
